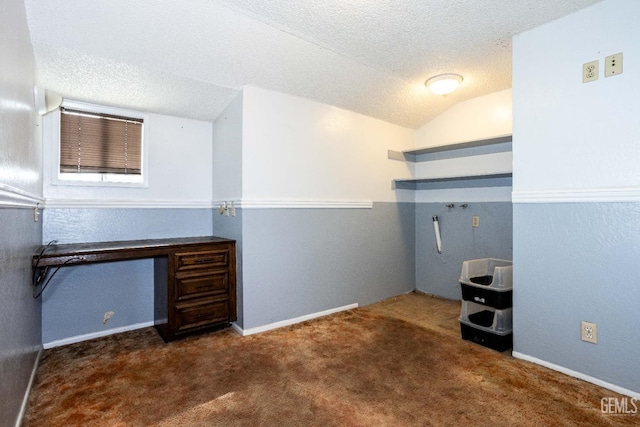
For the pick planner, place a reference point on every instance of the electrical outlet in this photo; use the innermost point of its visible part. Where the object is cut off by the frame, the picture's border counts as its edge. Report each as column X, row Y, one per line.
column 475, row 221
column 613, row 65
column 590, row 71
column 589, row 332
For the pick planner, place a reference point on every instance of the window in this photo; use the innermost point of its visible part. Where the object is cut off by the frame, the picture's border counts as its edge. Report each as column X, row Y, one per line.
column 100, row 145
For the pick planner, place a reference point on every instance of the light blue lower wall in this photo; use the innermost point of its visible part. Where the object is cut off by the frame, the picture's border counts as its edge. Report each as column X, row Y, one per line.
column 77, row 298
column 291, row 262
column 438, row 274
column 19, row 312
column 99, row 225
column 302, row 261
column 231, row 228
column 573, row 262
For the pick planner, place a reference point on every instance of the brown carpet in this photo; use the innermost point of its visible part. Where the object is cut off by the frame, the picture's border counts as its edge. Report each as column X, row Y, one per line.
column 355, row 368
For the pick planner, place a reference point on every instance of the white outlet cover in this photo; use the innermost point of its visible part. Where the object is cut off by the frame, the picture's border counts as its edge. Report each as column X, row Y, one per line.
column 590, row 71
column 613, row 65
column 589, row 332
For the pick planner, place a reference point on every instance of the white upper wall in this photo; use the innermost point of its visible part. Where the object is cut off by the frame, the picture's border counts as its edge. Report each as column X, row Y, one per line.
column 268, row 146
column 590, row 137
column 295, row 149
column 20, row 151
column 179, row 168
column 478, row 118
column 227, row 153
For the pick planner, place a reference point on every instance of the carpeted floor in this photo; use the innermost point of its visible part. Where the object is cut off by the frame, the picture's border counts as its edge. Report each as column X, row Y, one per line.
column 374, row 366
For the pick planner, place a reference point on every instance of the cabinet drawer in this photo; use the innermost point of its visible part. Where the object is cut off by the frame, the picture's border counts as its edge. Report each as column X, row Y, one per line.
column 201, row 284
column 201, row 259
column 204, row 314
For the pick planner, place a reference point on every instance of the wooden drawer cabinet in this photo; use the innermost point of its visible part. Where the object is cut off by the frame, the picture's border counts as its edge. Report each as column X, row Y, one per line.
column 200, row 289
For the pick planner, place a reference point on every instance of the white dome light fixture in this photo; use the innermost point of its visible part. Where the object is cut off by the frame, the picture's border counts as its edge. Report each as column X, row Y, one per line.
column 443, row 84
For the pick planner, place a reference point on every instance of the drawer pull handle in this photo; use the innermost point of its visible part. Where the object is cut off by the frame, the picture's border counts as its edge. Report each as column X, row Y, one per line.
column 203, row 261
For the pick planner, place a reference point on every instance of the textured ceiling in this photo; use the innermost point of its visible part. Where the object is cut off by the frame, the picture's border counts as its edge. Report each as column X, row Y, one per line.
column 191, row 58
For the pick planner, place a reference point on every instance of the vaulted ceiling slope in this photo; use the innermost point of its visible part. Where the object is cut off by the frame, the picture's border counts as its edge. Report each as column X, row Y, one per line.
column 191, row 58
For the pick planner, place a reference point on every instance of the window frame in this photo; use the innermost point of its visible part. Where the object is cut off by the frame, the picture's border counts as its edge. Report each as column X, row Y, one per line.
column 100, row 179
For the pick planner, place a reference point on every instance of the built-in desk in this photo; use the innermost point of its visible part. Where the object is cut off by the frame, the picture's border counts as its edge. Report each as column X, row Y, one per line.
column 194, row 277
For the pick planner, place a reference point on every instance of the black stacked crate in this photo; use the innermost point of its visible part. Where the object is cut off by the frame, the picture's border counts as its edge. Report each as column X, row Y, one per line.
column 486, row 316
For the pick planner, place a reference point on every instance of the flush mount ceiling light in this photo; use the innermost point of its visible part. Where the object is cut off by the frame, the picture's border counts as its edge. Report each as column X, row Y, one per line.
column 443, row 84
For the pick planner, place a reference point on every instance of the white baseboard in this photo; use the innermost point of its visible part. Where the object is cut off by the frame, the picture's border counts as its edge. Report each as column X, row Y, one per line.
column 32, row 379
column 276, row 325
column 236, row 328
column 243, row 332
column 576, row 374
column 86, row 337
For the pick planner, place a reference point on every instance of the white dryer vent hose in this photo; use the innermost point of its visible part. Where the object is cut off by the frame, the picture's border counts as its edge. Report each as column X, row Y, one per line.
column 436, row 228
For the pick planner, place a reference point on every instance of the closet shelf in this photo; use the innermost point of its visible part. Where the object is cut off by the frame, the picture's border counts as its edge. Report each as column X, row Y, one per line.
column 411, row 155
column 461, row 181
column 499, row 177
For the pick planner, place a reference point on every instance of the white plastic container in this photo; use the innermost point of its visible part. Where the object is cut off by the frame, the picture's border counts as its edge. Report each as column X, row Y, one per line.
column 500, row 271
column 486, row 318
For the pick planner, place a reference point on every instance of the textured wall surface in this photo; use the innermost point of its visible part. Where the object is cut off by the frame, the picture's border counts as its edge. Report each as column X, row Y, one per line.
column 296, row 149
column 76, row 300
column 20, row 149
column 573, row 135
column 227, row 184
column 20, row 184
column 274, row 151
column 227, row 153
column 574, row 262
column 19, row 312
column 478, row 118
column 482, row 117
column 576, row 195
column 438, row 273
column 231, row 228
column 302, row 261
column 179, row 175
column 178, row 168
